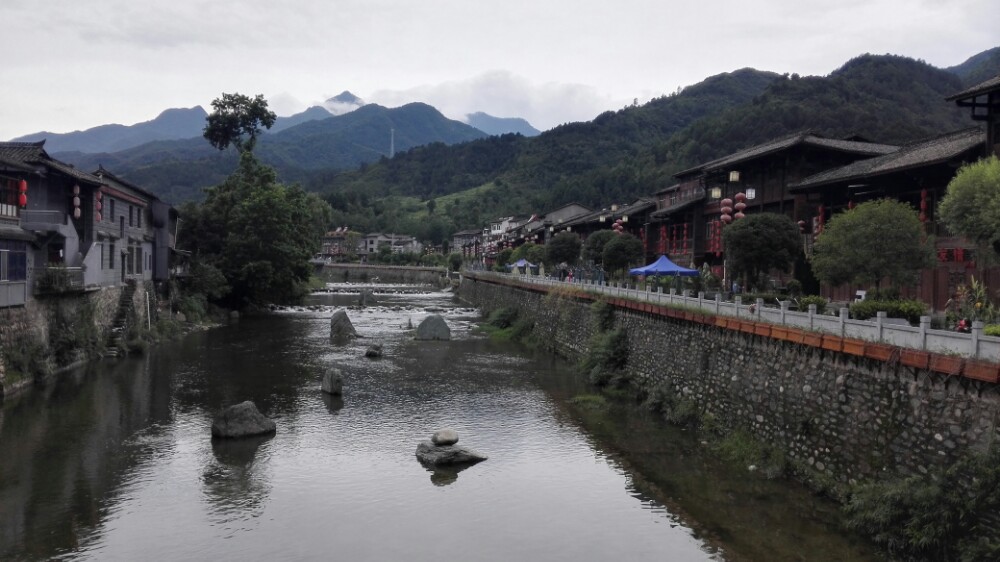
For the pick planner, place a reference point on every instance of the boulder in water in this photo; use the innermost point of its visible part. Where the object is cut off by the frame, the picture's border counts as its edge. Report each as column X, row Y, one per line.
column 241, row 420
column 433, row 328
column 341, row 327
column 435, row 455
column 374, row 351
column 333, row 382
column 443, row 437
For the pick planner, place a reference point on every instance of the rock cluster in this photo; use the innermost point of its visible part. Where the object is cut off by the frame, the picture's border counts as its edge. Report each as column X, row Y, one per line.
column 443, row 450
column 433, row 328
column 241, row 420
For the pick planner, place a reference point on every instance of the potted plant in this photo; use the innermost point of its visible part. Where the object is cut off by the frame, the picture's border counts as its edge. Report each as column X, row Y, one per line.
column 914, row 358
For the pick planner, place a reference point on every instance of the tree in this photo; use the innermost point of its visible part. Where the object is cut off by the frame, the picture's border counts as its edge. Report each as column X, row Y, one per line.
column 759, row 243
column 876, row 240
column 455, row 261
column 563, row 247
column 971, row 206
column 593, row 248
column 259, row 233
column 621, row 251
column 237, row 120
column 534, row 253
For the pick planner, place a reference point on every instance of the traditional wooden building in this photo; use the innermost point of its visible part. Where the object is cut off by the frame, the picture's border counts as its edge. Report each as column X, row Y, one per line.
column 983, row 101
column 688, row 220
column 917, row 174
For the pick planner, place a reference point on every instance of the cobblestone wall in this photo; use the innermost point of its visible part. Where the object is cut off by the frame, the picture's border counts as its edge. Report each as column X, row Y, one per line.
column 35, row 321
column 845, row 417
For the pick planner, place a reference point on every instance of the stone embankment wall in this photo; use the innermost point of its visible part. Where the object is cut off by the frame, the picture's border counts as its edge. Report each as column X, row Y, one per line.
column 844, row 417
column 361, row 273
column 36, row 321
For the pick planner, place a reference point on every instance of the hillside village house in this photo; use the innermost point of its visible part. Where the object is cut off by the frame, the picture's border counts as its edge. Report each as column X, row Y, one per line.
column 67, row 230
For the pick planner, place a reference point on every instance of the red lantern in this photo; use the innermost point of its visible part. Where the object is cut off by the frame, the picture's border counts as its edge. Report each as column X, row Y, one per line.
column 726, row 202
column 22, row 186
column 802, row 226
column 738, row 215
column 98, row 206
column 741, row 196
column 76, row 190
column 98, row 216
column 739, row 206
column 76, row 201
column 22, row 199
column 726, row 219
column 100, row 196
column 76, row 213
column 727, row 210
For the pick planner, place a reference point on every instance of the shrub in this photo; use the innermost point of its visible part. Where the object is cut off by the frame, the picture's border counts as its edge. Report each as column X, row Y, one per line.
column 605, row 363
column 794, row 288
column 602, row 315
column 502, row 318
column 819, row 301
column 912, row 310
column 992, row 330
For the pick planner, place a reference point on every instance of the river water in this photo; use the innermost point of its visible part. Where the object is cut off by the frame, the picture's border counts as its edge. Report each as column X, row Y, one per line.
column 115, row 461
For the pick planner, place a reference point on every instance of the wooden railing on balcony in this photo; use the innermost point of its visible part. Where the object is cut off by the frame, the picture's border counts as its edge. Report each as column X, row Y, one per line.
column 669, row 202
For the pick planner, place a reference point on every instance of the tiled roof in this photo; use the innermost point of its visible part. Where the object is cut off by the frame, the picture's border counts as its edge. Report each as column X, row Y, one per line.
column 977, row 90
column 102, row 173
column 72, row 172
column 8, row 164
column 637, row 206
column 776, row 145
column 920, row 153
column 23, row 151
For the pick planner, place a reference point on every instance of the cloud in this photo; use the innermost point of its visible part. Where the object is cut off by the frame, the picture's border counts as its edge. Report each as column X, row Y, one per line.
column 504, row 94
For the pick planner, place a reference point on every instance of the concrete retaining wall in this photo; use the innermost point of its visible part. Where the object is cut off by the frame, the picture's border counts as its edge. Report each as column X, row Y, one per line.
column 361, row 273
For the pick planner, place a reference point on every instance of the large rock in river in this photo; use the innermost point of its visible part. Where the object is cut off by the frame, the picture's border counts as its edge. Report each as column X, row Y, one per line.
column 429, row 453
column 433, row 328
column 241, row 420
column 341, row 327
column 333, row 382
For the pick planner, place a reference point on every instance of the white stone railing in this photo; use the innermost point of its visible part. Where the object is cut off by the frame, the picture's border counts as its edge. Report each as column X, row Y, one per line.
column 882, row 330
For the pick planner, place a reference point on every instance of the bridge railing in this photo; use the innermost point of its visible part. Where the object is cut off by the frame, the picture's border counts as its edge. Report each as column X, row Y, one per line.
column 881, row 329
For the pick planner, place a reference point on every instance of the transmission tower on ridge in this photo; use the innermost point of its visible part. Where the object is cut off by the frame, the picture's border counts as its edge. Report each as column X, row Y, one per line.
column 392, row 143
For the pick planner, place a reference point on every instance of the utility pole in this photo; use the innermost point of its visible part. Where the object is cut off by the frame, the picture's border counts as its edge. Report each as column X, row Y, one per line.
column 392, row 143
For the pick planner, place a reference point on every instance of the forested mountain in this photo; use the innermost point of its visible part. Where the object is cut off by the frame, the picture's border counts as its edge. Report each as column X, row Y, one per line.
column 178, row 170
column 978, row 68
column 170, row 124
column 629, row 153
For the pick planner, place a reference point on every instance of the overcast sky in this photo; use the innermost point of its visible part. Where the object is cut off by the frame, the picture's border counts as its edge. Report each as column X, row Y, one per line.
column 74, row 64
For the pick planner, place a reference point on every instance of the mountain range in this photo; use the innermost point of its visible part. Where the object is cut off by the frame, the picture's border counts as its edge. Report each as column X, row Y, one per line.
column 618, row 156
column 188, row 123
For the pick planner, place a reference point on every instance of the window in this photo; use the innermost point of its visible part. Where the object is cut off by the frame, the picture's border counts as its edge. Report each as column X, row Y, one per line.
column 130, row 215
column 13, row 260
column 8, row 198
column 111, row 216
column 138, row 217
column 111, row 256
column 102, row 254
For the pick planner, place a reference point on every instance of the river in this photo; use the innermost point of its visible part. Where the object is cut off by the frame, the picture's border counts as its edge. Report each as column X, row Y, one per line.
column 115, row 460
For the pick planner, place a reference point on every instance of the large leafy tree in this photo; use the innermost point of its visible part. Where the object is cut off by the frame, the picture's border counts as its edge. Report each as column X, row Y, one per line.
column 237, row 119
column 877, row 240
column 971, row 207
column 593, row 248
column 621, row 251
column 759, row 243
column 259, row 233
column 534, row 253
column 563, row 247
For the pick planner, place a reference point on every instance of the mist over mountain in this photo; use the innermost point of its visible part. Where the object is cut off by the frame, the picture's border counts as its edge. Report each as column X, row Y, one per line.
column 500, row 125
column 344, row 102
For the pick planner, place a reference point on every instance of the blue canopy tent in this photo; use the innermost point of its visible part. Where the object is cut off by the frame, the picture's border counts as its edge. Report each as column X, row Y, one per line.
column 523, row 266
column 521, row 263
column 663, row 266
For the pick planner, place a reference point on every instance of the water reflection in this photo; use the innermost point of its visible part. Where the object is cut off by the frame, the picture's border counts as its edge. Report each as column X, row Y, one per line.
column 90, row 465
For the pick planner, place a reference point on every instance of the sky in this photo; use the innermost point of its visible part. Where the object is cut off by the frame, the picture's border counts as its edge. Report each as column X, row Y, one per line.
column 74, row 64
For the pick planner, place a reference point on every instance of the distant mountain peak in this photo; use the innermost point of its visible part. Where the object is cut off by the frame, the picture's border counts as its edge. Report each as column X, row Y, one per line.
column 346, row 97
column 344, row 102
column 500, row 125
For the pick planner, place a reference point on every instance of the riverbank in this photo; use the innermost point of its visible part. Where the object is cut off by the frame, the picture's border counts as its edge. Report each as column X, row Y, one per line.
column 871, row 433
